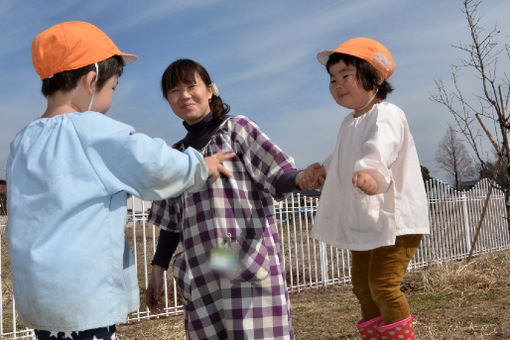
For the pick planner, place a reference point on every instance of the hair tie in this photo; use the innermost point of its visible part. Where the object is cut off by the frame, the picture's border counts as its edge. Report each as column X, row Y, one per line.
column 215, row 90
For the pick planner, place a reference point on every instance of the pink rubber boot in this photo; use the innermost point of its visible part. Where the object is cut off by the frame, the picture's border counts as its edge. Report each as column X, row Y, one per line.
column 367, row 328
column 400, row 330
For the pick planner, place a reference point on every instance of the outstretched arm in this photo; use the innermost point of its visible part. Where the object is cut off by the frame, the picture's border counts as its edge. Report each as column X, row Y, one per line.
column 312, row 177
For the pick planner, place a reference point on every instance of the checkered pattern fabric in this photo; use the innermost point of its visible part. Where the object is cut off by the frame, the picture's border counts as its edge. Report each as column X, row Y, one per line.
column 254, row 302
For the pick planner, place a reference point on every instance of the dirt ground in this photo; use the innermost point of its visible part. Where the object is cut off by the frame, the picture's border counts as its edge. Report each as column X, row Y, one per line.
column 456, row 300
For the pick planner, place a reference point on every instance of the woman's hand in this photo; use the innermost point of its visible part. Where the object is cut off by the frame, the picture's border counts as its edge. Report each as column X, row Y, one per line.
column 312, row 177
column 215, row 167
column 155, row 289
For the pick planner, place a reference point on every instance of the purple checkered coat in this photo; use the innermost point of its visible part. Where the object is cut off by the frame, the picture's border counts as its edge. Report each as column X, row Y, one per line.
column 254, row 304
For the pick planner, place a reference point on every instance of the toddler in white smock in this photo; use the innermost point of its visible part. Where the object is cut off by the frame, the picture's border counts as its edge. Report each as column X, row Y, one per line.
column 373, row 201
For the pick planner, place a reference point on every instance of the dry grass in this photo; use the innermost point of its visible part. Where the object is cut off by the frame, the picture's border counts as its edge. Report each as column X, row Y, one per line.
column 456, row 300
column 170, row 328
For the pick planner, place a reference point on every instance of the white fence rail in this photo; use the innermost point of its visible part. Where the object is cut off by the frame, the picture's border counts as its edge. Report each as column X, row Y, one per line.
column 308, row 263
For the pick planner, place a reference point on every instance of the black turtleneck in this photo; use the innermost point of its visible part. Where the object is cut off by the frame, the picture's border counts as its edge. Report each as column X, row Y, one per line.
column 200, row 133
column 197, row 137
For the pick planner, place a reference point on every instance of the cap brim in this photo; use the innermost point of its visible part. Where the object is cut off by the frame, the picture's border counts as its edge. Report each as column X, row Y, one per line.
column 128, row 58
column 323, row 56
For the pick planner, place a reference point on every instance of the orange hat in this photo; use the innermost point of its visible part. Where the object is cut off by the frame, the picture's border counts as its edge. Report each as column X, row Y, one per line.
column 72, row 45
column 367, row 49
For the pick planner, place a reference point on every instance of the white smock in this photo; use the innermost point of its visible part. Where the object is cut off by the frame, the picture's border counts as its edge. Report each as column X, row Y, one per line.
column 378, row 142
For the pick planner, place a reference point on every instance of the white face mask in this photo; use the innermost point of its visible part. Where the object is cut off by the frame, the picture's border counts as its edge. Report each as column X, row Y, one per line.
column 94, row 91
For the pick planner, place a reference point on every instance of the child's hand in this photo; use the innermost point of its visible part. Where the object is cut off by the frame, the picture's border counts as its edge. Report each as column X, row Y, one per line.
column 312, row 177
column 366, row 182
column 215, row 167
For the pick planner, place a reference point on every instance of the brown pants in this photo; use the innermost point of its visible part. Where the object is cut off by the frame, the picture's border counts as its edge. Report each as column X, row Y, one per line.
column 377, row 275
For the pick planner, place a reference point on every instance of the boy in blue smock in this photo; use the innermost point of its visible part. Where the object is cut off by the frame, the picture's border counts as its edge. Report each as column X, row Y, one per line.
column 68, row 174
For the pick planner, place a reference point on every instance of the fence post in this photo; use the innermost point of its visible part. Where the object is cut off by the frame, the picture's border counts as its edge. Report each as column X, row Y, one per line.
column 323, row 252
column 465, row 214
column 1, row 290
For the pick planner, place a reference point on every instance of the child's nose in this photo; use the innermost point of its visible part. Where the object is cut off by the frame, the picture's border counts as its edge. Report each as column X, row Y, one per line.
column 334, row 86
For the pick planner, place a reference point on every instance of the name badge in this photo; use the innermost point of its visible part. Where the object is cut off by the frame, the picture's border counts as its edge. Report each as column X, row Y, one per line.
column 225, row 260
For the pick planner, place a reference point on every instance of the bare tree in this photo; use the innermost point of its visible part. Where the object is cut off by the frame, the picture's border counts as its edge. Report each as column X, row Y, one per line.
column 453, row 158
column 425, row 173
column 482, row 52
column 502, row 179
column 2, row 170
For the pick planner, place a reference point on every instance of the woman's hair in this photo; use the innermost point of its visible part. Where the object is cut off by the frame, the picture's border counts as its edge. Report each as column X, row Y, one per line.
column 366, row 74
column 67, row 80
column 183, row 70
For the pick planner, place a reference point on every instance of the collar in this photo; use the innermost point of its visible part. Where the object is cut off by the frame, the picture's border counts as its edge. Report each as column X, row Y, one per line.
column 197, row 127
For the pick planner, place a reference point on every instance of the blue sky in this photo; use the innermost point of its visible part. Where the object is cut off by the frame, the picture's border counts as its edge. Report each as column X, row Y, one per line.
column 261, row 54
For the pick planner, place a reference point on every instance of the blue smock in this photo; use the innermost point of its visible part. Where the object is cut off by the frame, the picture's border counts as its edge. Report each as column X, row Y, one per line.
column 68, row 176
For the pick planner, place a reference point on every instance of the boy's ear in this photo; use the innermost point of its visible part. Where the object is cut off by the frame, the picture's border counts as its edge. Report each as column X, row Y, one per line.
column 89, row 81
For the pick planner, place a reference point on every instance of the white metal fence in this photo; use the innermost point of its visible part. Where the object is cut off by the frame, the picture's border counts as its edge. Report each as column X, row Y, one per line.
column 308, row 263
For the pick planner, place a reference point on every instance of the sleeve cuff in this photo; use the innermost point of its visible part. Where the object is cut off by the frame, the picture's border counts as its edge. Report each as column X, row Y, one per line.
column 167, row 243
column 286, row 183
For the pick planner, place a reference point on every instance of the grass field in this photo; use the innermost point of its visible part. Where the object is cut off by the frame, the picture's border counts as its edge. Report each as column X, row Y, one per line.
column 456, row 300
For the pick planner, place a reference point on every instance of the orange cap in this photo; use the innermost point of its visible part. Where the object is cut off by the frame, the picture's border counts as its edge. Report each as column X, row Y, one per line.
column 72, row 45
column 367, row 49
